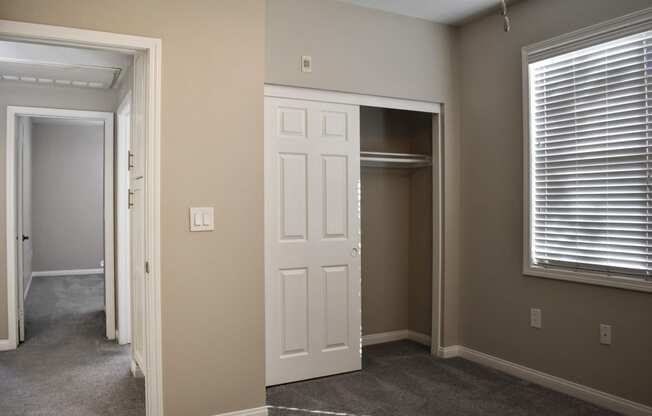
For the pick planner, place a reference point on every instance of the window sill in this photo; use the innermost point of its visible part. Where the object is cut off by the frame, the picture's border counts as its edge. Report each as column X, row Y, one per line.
column 598, row 279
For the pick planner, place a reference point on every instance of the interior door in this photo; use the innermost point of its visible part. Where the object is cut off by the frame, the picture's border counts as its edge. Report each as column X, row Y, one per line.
column 312, row 228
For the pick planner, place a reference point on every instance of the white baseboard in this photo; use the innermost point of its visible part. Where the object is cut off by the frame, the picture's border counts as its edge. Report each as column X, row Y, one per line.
column 391, row 336
column 383, row 337
column 419, row 337
column 29, row 286
column 449, row 352
column 258, row 411
column 6, row 345
column 136, row 371
column 588, row 394
column 75, row 272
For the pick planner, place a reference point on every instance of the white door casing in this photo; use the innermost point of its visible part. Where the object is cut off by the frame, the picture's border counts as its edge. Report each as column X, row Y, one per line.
column 137, row 219
column 312, row 233
column 23, row 221
column 123, row 279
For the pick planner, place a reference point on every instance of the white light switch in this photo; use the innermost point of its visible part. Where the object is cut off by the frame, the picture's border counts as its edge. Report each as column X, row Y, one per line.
column 201, row 219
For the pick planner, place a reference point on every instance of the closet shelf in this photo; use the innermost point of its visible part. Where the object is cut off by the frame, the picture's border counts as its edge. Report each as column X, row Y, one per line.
column 394, row 160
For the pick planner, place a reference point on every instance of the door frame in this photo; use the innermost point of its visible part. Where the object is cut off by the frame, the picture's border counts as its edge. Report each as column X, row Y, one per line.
column 21, row 124
column 123, row 277
column 150, row 97
column 434, row 108
column 14, row 195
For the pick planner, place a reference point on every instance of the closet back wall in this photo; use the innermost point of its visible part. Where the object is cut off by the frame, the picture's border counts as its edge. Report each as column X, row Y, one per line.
column 397, row 249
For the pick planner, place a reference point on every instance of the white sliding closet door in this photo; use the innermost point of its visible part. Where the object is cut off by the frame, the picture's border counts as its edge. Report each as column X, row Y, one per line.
column 312, row 227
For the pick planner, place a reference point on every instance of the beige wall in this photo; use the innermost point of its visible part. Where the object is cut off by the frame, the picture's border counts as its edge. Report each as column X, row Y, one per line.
column 67, row 196
column 496, row 296
column 37, row 96
column 385, row 249
column 212, row 283
column 370, row 52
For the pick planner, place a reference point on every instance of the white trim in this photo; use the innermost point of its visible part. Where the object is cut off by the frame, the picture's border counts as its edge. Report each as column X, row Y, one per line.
column 422, row 339
column 591, row 395
column 29, row 286
column 10, row 225
column 71, row 272
column 310, row 94
column 438, row 203
column 383, row 337
column 6, row 345
column 280, row 91
column 449, row 352
column 150, row 48
column 258, row 411
column 589, row 36
column 601, row 32
column 391, row 336
column 123, row 278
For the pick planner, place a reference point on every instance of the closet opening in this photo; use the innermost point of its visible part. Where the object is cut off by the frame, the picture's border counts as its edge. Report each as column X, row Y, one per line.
column 396, row 182
column 353, row 218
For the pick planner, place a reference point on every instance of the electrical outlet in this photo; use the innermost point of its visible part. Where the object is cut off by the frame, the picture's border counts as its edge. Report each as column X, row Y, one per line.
column 606, row 336
column 306, row 63
column 535, row 318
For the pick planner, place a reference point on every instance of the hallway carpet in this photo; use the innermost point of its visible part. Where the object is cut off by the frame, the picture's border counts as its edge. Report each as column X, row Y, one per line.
column 66, row 366
column 402, row 379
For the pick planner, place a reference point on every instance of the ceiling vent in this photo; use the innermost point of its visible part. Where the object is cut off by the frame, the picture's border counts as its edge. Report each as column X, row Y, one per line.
column 58, row 74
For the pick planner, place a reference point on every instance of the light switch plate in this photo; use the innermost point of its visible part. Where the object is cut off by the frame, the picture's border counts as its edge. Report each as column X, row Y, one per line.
column 202, row 219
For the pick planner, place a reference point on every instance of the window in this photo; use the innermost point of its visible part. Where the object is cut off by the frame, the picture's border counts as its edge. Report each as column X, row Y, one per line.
column 589, row 157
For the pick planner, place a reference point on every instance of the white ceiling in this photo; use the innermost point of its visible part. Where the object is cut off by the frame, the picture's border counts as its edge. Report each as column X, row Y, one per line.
column 440, row 11
column 60, row 65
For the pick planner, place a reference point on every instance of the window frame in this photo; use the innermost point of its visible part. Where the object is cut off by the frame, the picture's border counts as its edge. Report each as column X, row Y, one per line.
column 630, row 24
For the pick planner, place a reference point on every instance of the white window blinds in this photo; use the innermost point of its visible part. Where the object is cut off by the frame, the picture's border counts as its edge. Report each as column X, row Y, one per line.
column 590, row 160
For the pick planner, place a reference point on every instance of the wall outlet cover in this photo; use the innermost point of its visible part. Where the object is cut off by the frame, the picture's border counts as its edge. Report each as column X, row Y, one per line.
column 606, row 334
column 535, row 318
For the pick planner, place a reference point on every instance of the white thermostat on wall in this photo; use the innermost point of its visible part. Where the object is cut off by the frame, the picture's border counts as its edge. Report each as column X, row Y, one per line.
column 201, row 219
column 306, row 63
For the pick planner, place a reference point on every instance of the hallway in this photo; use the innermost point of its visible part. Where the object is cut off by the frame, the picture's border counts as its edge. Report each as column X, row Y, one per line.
column 66, row 366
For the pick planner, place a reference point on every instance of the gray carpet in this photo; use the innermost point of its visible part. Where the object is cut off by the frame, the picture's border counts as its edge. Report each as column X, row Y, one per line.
column 66, row 367
column 401, row 378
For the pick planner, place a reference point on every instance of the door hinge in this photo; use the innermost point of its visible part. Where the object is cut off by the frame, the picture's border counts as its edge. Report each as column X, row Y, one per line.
column 130, row 160
column 147, row 267
column 130, row 199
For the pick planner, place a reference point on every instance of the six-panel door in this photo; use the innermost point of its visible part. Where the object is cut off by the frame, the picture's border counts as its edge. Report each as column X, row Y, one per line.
column 312, row 169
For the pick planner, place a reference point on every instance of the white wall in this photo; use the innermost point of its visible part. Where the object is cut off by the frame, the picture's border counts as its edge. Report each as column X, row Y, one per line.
column 67, row 193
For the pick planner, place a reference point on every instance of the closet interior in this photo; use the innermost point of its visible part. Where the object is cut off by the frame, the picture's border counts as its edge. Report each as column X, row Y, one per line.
column 396, row 158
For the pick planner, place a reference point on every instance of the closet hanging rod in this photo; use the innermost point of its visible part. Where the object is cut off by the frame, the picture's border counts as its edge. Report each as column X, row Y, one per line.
column 394, row 160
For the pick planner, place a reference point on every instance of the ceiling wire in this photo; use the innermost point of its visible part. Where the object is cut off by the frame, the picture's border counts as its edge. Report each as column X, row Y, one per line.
column 507, row 25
